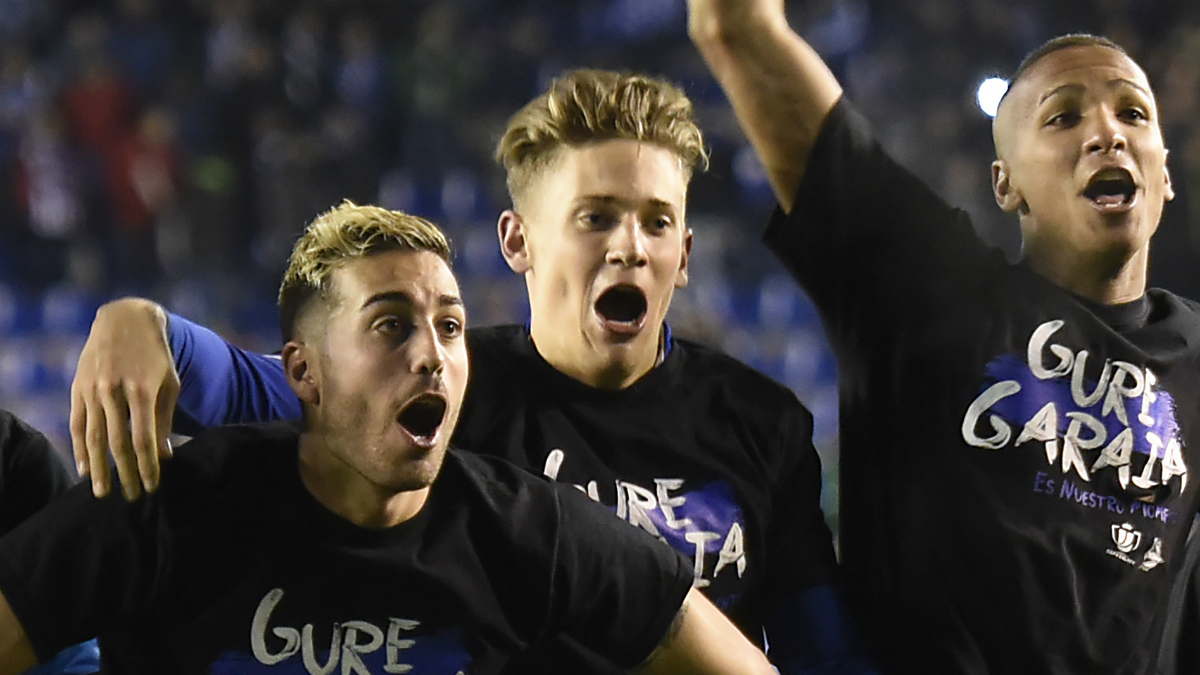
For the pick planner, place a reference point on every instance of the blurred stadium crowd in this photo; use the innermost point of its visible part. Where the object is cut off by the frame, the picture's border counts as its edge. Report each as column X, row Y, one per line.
column 175, row 149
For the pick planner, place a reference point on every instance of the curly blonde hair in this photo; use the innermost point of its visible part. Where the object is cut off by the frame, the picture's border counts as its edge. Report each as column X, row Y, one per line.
column 344, row 233
column 584, row 106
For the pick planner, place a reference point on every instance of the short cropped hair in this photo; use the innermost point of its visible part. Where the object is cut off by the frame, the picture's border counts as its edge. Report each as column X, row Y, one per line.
column 585, row 106
column 344, row 233
column 1055, row 44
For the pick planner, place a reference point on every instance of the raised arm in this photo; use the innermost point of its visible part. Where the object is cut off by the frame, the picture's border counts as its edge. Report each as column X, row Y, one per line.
column 702, row 641
column 779, row 87
column 126, row 389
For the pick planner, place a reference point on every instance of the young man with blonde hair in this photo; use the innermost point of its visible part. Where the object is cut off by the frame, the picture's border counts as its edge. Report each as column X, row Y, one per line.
column 1017, row 439
column 358, row 539
column 679, row 440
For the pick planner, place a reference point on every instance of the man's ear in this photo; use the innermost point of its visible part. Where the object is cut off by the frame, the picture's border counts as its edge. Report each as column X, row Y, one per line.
column 681, row 276
column 302, row 370
column 1169, row 194
column 514, row 244
column 1007, row 196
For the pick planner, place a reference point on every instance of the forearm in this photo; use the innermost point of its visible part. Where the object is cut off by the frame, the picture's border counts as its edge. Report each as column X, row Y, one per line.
column 703, row 641
column 780, row 89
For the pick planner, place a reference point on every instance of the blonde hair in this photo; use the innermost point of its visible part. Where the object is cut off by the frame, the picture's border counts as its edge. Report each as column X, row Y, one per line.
column 584, row 106
column 344, row 233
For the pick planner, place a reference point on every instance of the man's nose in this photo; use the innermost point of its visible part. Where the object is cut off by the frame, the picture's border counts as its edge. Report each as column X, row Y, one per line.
column 1106, row 133
column 428, row 352
column 627, row 246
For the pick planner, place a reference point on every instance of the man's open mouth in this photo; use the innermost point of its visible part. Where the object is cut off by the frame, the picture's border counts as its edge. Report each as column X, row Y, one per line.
column 1111, row 188
column 622, row 306
column 422, row 416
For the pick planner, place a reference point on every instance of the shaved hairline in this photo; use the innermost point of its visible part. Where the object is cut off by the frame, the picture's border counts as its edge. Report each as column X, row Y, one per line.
column 1001, row 136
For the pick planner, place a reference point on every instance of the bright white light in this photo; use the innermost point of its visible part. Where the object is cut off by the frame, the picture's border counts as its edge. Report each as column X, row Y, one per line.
column 990, row 92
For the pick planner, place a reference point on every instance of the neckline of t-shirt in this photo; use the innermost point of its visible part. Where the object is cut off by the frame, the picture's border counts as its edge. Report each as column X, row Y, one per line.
column 1123, row 316
column 313, row 515
column 556, row 377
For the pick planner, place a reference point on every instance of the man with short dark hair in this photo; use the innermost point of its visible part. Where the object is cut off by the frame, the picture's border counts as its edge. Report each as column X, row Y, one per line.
column 277, row 549
column 1016, row 440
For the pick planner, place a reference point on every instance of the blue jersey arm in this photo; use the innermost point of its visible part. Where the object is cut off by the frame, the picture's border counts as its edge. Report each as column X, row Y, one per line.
column 223, row 384
column 812, row 634
column 78, row 660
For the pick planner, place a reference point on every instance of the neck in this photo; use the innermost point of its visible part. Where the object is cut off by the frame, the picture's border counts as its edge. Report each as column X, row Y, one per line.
column 343, row 490
column 595, row 368
column 1107, row 282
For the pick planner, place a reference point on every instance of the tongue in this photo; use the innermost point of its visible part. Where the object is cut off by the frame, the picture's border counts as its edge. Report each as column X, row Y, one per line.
column 1109, row 200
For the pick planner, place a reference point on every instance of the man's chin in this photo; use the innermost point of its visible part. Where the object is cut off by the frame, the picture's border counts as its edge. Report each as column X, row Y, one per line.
column 419, row 471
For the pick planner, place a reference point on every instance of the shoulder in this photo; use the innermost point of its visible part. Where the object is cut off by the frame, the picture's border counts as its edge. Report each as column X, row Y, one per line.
column 489, row 475
column 17, row 434
column 497, row 352
column 495, row 485
column 28, row 457
column 1185, row 305
column 232, row 453
column 489, row 340
column 706, row 368
column 1176, row 313
column 501, row 367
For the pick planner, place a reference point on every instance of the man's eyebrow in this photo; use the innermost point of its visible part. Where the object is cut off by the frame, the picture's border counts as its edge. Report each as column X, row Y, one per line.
column 612, row 199
column 1112, row 84
column 444, row 300
column 388, row 296
column 1117, row 82
column 1057, row 90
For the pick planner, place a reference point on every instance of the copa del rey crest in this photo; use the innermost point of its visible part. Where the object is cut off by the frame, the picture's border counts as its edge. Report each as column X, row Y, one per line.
column 1126, row 537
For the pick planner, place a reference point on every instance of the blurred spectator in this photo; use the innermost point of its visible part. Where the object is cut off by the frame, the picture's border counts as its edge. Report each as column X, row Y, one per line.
column 141, row 43
column 143, row 186
column 99, row 105
column 48, row 185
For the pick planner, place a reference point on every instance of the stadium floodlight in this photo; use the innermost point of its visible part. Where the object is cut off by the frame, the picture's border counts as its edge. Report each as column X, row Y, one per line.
column 989, row 94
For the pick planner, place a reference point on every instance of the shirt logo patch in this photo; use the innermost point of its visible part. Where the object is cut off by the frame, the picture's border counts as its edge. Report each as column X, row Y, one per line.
column 354, row 647
column 1128, row 539
column 1111, row 417
column 705, row 523
column 1125, row 537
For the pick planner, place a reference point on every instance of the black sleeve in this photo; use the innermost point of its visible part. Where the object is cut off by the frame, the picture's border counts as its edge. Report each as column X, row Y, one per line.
column 616, row 589
column 32, row 475
column 799, row 544
column 874, row 247
column 80, row 565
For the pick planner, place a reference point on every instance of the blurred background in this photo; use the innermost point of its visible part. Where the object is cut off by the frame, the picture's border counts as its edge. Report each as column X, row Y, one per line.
column 176, row 149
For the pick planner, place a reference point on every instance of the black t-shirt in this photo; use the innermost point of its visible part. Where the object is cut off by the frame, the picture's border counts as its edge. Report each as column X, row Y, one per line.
column 233, row 567
column 31, row 471
column 703, row 452
column 1016, row 473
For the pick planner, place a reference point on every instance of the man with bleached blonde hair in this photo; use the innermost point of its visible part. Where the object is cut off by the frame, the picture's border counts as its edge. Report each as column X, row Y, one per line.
column 285, row 548
column 678, row 439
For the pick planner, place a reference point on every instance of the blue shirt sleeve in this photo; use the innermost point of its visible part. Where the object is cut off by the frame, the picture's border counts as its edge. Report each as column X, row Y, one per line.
column 78, row 660
column 812, row 634
column 223, row 384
